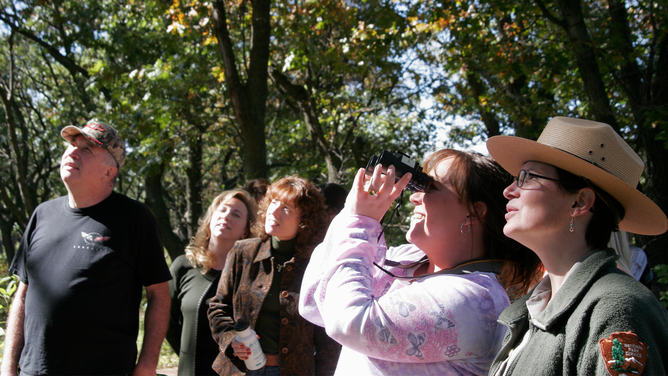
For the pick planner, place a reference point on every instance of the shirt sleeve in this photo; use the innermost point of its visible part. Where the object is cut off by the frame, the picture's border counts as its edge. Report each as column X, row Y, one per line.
column 436, row 318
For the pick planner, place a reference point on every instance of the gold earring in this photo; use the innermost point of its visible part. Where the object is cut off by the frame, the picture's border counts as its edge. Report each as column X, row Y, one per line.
column 571, row 228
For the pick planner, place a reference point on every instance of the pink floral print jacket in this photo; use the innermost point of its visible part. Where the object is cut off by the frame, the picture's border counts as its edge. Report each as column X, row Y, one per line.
column 437, row 324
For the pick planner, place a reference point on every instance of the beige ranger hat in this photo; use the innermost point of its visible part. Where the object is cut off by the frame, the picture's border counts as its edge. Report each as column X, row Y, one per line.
column 593, row 151
column 102, row 134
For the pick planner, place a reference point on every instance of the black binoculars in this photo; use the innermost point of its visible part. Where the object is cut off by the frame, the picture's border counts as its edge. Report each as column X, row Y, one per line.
column 402, row 165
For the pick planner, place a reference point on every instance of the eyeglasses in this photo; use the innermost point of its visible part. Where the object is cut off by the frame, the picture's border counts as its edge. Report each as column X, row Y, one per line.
column 524, row 182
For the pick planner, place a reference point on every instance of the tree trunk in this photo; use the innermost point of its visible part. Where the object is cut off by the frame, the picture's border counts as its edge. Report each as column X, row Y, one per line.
column 656, row 181
column 644, row 98
column 576, row 29
column 154, row 199
column 478, row 90
column 312, row 121
column 194, row 183
column 20, row 154
column 6, row 230
column 638, row 89
column 249, row 98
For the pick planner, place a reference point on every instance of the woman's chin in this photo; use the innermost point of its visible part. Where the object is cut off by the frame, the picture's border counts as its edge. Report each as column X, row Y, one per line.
column 412, row 235
column 508, row 231
column 270, row 230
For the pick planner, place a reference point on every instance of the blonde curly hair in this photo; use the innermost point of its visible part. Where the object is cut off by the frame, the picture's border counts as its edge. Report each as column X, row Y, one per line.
column 197, row 252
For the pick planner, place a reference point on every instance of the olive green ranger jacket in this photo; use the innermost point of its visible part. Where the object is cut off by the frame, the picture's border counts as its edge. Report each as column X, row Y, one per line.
column 594, row 302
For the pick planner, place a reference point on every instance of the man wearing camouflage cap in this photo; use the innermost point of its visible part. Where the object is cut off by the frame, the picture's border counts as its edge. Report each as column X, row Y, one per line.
column 82, row 263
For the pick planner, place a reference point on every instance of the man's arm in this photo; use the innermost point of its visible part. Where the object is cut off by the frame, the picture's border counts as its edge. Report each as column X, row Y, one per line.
column 14, row 335
column 155, row 326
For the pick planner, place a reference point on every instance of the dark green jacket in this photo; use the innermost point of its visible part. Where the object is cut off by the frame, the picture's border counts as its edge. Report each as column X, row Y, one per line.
column 188, row 332
column 596, row 300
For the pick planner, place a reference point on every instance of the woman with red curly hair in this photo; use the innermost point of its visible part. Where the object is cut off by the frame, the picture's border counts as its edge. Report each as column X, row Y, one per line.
column 261, row 284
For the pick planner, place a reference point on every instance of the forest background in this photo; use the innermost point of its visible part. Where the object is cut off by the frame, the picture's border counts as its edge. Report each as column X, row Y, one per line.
column 210, row 94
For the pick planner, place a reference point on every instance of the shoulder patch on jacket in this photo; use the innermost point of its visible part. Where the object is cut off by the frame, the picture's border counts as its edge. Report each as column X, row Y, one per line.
column 623, row 354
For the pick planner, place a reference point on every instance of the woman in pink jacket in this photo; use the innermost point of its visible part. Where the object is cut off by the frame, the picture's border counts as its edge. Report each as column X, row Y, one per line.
column 433, row 306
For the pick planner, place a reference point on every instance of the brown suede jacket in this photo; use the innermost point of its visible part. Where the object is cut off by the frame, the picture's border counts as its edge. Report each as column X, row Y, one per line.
column 305, row 349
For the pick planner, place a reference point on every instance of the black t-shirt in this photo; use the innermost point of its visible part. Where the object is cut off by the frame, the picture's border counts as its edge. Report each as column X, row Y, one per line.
column 85, row 269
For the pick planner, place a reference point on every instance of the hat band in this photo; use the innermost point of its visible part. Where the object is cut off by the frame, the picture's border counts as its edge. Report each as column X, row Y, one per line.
column 600, row 193
column 590, row 162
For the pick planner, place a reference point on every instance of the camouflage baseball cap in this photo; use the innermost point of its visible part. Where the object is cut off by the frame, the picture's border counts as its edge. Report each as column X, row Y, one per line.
column 102, row 134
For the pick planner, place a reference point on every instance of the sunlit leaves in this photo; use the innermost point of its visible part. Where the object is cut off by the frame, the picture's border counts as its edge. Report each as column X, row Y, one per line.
column 346, row 56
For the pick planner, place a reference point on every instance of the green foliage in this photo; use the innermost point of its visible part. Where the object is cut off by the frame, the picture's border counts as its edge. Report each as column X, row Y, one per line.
column 8, row 286
column 661, row 273
column 344, row 58
column 500, row 67
column 167, row 357
column 365, row 70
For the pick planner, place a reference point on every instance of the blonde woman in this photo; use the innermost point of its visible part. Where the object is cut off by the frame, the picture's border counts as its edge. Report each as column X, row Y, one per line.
column 229, row 218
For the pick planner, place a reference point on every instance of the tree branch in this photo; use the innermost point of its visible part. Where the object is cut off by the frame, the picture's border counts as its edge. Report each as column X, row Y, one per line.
column 546, row 12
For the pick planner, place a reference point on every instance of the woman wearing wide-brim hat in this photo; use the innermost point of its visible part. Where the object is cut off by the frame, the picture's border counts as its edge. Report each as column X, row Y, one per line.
column 573, row 187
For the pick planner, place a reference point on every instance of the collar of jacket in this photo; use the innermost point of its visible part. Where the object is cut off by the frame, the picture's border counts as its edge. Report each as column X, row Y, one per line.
column 264, row 253
column 569, row 295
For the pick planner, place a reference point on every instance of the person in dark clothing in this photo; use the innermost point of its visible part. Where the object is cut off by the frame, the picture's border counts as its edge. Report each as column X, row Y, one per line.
column 195, row 277
column 335, row 198
column 261, row 284
column 83, row 262
column 574, row 186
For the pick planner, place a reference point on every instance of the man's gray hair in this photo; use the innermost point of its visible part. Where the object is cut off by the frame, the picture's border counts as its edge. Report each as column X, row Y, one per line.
column 111, row 161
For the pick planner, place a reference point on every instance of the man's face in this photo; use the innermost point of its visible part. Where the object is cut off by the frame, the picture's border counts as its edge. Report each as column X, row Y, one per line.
column 84, row 164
